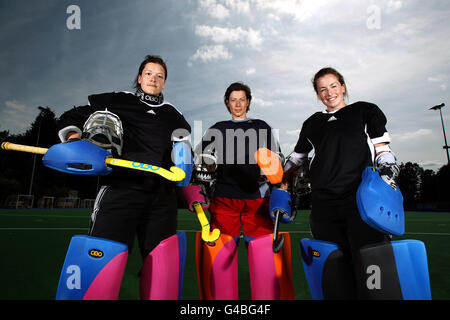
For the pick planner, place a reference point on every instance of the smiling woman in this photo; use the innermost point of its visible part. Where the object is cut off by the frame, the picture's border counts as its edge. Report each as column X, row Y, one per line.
column 330, row 88
column 134, row 205
column 345, row 139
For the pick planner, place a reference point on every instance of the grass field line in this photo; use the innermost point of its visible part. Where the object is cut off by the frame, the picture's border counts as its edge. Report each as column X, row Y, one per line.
column 429, row 233
column 39, row 229
column 41, row 216
column 193, row 231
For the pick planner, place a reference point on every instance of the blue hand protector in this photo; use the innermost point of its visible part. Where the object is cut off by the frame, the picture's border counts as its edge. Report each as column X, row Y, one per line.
column 281, row 200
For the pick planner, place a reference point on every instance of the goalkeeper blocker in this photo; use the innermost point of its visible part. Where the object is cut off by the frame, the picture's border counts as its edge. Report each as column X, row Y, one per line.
column 380, row 204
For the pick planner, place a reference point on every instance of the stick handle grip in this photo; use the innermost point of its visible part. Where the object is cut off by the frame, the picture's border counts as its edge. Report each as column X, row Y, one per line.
column 270, row 165
column 19, row 147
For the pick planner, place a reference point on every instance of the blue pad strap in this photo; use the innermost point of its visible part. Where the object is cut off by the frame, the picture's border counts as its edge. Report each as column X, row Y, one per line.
column 247, row 240
column 380, row 206
column 280, row 200
column 182, row 254
column 77, row 157
column 182, row 158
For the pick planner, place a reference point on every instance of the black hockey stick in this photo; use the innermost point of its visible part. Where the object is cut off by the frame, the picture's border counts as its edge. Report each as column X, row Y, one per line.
column 277, row 241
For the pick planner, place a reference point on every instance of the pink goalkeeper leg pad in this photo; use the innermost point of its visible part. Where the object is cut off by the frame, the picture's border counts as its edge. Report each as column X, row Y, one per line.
column 270, row 273
column 163, row 269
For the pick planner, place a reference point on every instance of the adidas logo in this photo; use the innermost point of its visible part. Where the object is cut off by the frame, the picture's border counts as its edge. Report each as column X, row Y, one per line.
column 332, row 118
column 151, row 112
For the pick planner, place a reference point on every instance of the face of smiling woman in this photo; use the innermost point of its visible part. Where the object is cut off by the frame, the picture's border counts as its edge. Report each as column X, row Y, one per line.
column 238, row 105
column 331, row 92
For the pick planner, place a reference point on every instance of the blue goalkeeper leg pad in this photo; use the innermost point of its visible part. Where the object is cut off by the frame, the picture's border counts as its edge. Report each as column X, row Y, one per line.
column 394, row 271
column 93, row 269
column 328, row 270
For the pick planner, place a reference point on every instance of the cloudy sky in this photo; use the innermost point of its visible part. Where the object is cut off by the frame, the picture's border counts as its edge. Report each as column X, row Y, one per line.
column 395, row 53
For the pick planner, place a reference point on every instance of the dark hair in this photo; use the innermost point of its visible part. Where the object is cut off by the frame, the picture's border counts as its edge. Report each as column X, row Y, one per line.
column 328, row 70
column 238, row 86
column 148, row 59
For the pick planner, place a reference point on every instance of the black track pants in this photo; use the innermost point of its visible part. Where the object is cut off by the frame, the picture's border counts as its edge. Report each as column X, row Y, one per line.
column 121, row 214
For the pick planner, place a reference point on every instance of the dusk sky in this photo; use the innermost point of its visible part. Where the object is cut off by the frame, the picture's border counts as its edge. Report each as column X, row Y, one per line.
column 394, row 53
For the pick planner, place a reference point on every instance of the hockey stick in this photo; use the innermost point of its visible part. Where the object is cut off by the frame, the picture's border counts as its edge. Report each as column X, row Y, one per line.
column 207, row 236
column 175, row 173
column 271, row 166
column 277, row 241
column 21, row 147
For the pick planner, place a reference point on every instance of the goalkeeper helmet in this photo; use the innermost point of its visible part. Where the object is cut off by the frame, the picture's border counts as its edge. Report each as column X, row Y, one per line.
column 104, row 129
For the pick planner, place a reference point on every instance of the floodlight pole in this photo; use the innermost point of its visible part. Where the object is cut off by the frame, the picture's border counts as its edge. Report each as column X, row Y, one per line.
column 37, row 143
column 446, row 147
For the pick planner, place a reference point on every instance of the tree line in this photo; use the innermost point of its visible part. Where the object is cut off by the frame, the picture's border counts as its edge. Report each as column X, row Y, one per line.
column 17, row 167
column 421, row 189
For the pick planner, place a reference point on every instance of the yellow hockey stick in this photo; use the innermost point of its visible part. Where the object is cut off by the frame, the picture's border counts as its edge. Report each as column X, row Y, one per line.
column 206, row 234
column 174, row 174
